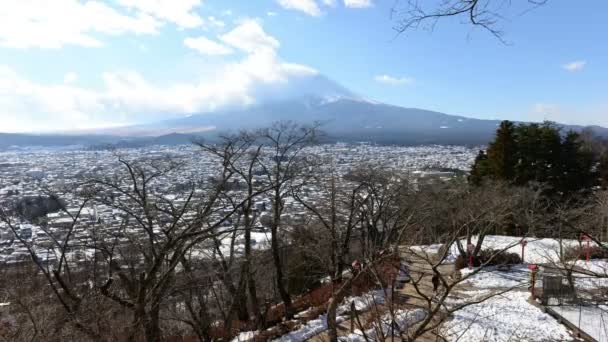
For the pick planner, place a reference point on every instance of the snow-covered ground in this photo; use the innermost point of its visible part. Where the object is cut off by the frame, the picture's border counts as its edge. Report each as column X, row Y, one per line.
column 510, row 317
column 245, row 336
column 591, row 319
column 597, row 277
column 426, row 249
column 319, row 324
column 507, row 317
column 402, row 320
column 537, row 251
column 491, row 278
column 598, row 267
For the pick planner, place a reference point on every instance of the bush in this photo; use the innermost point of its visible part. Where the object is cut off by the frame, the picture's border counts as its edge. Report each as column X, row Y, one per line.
column 491, row 257
column 580, row 253
column 488, row 257
column 463, row 262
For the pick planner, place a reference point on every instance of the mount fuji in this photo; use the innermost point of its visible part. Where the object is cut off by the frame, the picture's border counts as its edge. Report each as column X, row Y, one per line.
column 345, row 116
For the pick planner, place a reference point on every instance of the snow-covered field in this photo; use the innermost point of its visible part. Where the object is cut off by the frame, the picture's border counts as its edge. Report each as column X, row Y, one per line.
column 537, row 251
column 491, row 278
column 591, row 319
column 510, row 317
column 507, row 317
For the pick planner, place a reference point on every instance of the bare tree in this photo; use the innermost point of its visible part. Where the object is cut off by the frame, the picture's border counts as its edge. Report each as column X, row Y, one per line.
column 285, row 167
column 135, row 264
column 335, row 208
column 242, row 154
column 486, row 14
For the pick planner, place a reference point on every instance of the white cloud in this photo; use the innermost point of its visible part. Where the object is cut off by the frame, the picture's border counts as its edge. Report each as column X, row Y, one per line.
column 27, row 105
column 179, row 12
column 128, row 97
column 574, row 66
column 546, row 109
column 309, row 7
column 213, row 21
column 391, row 80
column 271, row 14
column 330, row 3
column 53, row 24
column 249, row 36
column 207, row 47
column 70, row 77
column 358, row 3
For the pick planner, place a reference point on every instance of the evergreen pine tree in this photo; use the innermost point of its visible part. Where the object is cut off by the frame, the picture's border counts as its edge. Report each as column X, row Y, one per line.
column 575, row 166
column 480, row 168
column 602, row 169
column 502, row 153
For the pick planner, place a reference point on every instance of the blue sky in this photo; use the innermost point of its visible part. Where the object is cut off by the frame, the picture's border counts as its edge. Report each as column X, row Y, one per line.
column 68, row 64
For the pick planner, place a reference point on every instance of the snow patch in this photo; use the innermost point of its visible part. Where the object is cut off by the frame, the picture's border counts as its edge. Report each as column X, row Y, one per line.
column 319, row 325
column 591, row 319
column 403, row 320
column 508, row 317
column 491, row 278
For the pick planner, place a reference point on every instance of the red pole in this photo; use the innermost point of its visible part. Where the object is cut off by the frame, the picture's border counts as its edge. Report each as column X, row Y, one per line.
column 532, row 287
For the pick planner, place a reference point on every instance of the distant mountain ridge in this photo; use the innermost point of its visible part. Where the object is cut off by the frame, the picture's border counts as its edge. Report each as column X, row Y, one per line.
column 345, row 116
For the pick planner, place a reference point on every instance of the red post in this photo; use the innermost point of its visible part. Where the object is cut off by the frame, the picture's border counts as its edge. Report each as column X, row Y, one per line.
column 533, row 268
column 470, row 248
column 533, row 281
column 587, row 238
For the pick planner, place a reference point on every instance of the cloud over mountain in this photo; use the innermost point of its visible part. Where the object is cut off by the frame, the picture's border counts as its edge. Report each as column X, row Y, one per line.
column 128, row 97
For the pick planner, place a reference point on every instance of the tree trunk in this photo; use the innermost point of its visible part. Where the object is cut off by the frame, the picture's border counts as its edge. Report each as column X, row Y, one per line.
column 152, row 326
column 332, row 325
column 280, row 278
column 251, row 286
column 274, row 231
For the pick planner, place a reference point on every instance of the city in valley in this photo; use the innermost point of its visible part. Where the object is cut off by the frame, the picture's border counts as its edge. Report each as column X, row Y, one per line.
column 34, row 175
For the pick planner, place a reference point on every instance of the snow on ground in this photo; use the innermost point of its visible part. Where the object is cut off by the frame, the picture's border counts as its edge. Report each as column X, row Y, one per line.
column 426, row 249
column 363, row 302
column 596, row 266
column 508, row 317
column 598, row 277
column 591, row 319
column 403, row 319
column 310, row 329
column 537, row 251
column 262, row 240
column 491, row 278
column 245, row 336
column 319, row 325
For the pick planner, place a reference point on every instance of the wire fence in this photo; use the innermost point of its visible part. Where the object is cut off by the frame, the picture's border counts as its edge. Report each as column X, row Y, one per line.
column 580, row 306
